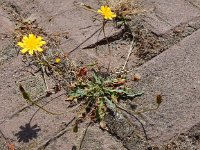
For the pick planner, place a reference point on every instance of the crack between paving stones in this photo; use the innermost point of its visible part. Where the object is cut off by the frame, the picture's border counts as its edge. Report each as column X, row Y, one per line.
column 193, row 4
column 161, row 17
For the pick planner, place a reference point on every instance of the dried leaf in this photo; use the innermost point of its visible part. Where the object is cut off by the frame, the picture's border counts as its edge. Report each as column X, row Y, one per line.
column 11, row 146
column 114, row 98
column 136, row 77
column 70, row 98
column 75, row 128
column 158, row 99
column 102, row 124
column 119, row 81
column 25, row 95
column 57, row 88
column 82, row 72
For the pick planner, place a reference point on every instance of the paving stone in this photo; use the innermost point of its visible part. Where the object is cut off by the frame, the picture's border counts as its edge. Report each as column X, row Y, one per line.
column 53, row 17
column 176, row 74
column 10, row 99
column 6, row 30
column 95, row 139
column 156, row 24
column 7, row 26
column 166, row 14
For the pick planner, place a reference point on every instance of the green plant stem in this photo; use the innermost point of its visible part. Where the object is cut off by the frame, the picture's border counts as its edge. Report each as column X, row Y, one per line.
column 27, row 97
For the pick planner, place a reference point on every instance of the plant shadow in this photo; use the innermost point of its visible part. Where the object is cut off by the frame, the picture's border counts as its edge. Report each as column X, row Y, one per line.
column 27, row 133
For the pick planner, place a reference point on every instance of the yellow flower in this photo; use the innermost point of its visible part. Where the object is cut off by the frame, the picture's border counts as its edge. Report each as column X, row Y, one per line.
column 106, row 12
column 58, row 60
column 31, row 44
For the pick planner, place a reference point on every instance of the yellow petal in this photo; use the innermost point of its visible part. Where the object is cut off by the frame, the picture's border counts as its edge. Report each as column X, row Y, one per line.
column 20, row 44
column 24, row 38
column 31, row 36
column 24, row 50
column 39, row 49
column 106, row 17
column 39, row 38
column 99, row 11
column 107, row 8
column 114, row 15
column 43, row 42
column 31, row 52
column 102, row 8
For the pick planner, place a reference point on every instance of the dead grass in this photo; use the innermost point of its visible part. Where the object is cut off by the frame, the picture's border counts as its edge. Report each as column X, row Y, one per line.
column 124, row 7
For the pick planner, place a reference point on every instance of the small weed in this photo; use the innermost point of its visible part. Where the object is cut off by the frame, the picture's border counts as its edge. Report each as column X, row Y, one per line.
column 98, row 95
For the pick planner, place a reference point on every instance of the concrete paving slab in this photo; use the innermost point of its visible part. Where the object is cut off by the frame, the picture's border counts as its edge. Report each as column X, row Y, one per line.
column 73, row 24
column 95, row 139
column 59, row 17
column 176, row 74
column 167, row 14
column 7, row 27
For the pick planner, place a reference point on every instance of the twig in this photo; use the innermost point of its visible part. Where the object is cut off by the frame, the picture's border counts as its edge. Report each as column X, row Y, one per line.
column 129, row 54
column 45, row 81
column 59, row 134
column 87, row 7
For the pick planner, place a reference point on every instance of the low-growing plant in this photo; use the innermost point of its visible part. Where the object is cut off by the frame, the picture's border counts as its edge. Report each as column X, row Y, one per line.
column 98, row 95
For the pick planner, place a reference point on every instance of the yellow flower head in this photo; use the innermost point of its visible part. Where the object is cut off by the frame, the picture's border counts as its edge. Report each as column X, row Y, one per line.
column 106, row 12
column 57, row 60
column 31, row 44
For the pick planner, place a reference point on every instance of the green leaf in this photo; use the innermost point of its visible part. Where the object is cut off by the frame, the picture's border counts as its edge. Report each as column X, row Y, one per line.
column 97, row 79
column 78, row 93
column 135, row 95
column 110, row 104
